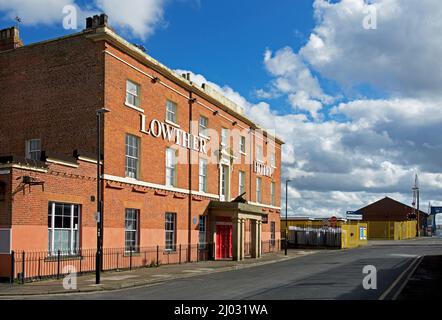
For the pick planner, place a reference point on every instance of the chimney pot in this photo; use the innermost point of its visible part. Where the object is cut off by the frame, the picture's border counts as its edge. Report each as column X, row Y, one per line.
column 97, row 21
column 10, row 39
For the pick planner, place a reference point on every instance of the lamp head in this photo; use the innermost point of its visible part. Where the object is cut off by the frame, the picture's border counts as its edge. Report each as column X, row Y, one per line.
column 102, row 111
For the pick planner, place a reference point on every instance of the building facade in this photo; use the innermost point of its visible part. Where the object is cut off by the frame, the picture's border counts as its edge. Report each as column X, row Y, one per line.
column 181, row 164
column 391, row 219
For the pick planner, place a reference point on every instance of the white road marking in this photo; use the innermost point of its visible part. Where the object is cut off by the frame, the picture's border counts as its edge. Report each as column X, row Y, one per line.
column 390, row 288
column 403, row 255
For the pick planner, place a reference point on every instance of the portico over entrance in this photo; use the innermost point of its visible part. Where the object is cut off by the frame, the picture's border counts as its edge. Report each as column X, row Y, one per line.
column 228, row 232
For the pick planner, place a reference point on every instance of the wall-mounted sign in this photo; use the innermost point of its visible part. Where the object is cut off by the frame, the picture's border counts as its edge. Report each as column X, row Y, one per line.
column 261, row 169
column 438, row 219
column 159, row 129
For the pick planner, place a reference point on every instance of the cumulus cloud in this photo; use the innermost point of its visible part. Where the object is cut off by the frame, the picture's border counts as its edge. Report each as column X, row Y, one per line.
column 139, row 19
column 294, row 78
column 35, row 12
column 401, row 56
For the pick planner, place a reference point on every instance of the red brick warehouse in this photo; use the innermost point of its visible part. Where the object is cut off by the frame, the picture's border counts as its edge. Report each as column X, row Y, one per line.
column 182, row 165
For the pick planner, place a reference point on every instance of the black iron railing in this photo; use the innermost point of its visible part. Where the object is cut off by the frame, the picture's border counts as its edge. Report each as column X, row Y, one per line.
column 37, row 265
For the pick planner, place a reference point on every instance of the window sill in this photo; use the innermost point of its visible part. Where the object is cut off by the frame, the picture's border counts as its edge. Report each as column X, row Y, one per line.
column 133, row 107
column 134, row 254
column 54, row 258
column 172, row 123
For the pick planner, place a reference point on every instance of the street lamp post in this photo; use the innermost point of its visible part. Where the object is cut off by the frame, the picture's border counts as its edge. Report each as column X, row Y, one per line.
column 99, row 254
column 286, row 217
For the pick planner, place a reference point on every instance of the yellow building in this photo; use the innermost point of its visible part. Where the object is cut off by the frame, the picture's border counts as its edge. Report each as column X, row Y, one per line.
column 323, row 232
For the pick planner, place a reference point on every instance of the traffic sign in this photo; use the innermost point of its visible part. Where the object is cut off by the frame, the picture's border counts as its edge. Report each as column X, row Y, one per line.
column 333, row 222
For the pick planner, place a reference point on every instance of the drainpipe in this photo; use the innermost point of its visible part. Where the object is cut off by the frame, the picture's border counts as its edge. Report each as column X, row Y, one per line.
column 251, row 136
column 189, row 235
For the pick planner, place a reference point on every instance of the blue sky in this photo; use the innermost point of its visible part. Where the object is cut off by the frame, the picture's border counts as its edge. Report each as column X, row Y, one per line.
column 352, row 86
column 224, row 40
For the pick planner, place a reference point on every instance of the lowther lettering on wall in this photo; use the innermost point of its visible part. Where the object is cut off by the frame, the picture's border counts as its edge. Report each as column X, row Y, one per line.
column 184, row 139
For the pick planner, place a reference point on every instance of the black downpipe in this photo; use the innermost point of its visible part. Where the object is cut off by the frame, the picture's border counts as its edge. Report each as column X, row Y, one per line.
column 189, row 235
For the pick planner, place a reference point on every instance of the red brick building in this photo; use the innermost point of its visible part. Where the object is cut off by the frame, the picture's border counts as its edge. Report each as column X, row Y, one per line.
column 175, row 154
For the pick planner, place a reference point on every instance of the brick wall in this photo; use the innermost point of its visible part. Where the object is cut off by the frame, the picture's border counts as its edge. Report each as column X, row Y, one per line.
column 51, row 91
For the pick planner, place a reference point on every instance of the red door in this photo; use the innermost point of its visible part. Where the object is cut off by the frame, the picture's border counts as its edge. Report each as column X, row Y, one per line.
column 223, row 241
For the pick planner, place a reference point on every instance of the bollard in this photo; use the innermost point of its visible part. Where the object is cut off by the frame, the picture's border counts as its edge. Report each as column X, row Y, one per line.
column 23, row 256
column 58, row 264
column 158, row 255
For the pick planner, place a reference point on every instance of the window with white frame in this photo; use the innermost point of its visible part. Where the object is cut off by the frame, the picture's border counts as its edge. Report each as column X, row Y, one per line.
column 224, row 137
column 242, row 144
column 33, row 149
column 132, row 156
column 132, row 94
column 259, row 153
column 202, row 237
column 272, row 233
column 170, row 230
column 273, row 160
column 171, row 167
column 203, row 175
column 63, row 228
column 272, row 194
column 171, row 111
column 258, row 189
column 204, row 126
column 242, row 182
column 131, row 232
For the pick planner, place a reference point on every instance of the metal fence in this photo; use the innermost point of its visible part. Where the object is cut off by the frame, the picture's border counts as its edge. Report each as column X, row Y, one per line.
column 315, row 237
column 37, row 265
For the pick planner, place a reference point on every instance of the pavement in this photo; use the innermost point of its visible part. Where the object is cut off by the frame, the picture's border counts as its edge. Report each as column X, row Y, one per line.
column 325, row 275
column 425, row 283
column 116, row 280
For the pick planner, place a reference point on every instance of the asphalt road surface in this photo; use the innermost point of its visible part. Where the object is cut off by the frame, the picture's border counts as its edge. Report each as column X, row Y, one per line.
column 323, row 275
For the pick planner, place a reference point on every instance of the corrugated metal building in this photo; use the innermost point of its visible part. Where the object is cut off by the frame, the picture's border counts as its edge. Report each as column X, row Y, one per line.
column 391, row 219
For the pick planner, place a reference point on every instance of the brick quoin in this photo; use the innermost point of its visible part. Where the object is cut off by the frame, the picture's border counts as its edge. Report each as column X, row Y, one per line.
column 51, row 91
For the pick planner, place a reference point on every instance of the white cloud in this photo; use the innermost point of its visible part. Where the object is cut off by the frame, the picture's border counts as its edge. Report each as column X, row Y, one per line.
column 402, row 56
column 293, row 78
column 139, row 19
column 35, row 12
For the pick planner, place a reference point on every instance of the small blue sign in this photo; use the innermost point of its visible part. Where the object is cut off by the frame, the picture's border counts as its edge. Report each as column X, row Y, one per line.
column 436, row 210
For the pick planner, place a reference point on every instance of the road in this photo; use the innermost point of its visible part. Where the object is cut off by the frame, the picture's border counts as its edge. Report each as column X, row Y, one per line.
column 324, row 275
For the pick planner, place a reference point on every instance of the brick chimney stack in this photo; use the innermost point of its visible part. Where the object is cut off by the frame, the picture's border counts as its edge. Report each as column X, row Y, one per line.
column 10, row 39
column 97, row 21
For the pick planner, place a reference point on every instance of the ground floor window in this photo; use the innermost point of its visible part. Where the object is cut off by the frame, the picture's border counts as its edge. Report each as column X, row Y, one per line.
column 131, row 237
column 272, row 233
column 203, row 232
column 170, row 229
column 63, row 227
